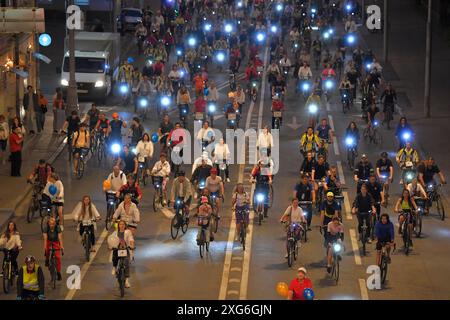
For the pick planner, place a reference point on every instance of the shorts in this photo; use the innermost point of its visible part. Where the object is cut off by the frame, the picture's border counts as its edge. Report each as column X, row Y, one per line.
column 242, row 214
column 3, row 145
column 381, row 243
column 412, row 218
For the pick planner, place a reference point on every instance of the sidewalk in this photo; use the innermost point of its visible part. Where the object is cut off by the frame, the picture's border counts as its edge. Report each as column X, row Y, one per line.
column 406, row 73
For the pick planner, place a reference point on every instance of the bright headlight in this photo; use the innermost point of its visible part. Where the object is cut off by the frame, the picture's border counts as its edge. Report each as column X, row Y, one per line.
column 143, row 102
column 165, row 101
column 64, row 82
column 220, row 57
column 99, row 84
column 337, row 247
column 115, row 148
column 329, row 84
column 305, row 87
column 212, row 108
column 349, row 141
column 313, row 108
column 260, row 197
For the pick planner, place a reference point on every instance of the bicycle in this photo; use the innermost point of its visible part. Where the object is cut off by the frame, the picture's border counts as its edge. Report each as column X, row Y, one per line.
column 81, row 162
column 52, row 265
column 406, row 230
column 371, row 133
column 292, row 243
column 111, row 203
column 384, row 263
column 203, row 243
column 122, row 254
column 351, row 152
column 48, row 211
column 34, row 201
column 214, row 216
column 261, row 207
column 435, row 196
column 384, row 180
column 86, row 239
column 307, row 209
column 277, row 115
column 158, row 197
column 364, row 236
column 373, row 222
column 336, row 248
column 142, row 173
column 101, row 148
column 420, row 212
column 180, row 220
column 8, row 272
column 243, row 226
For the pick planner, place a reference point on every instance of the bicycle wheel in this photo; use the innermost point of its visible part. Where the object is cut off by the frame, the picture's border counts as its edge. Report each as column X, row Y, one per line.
column 87, row 246
column 44, row 222
column 336, row 269
column 216, row 224
column 377, row 138
column 30, row 211
column 290, row 256
column 271, row 195
column 121, row 279
column 174, row 227
column 372, row 229
column 155, row 202
column 185, row 225
column 6, row 277
column 406, row 238
column 242, row 236
column 207, row 246
column 383, row 268
column 201, row 248
column 260, row 215
column 363, row 239
column 440, row 208
column 80, row 170
column 109, row 215
column 53, row 273
column 418, row 227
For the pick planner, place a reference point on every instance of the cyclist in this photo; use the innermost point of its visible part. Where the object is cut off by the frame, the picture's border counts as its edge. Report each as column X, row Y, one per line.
column 285, row 65
column 362, row 206
column 407, row 157
column 320, row 171
column 404, row 205
column 279, row 87
column 298, row 286
column 384, row 231
column 117, row 179
column 385, row 168
column 162, row 169
column 325, row 132
column 144, row 88
column 56, row 199
column 222, row 155
column 10, row 241
column 92, row 117
column 128, row 211
column 122, row 238
column 427, row 169
column 240, row 203
column 81, row 143
column 390, row 99
column 403, row 128
column 41, row 172
column 30, row 281
column 128, row 161
column 277, row 105
column 144, row 151
column 308, row 164
column 328, row 72
column 363, row 171
column 333, row 233
column 52, row 236
column 204, row 213
column 294, row 215
column 376, row 190
column 181, row 189
column 371, row 114
column 206, row 135
column 329, row 208
column 313, row 100
column 332, row 182
column 352, row 131
column 86, row 214
column 262, row 176
column 201, row 173
column 418, row 193
column 102, row 125
column 198, row 162
column 309, row 142
column 72, row 124
column 272, row 72
column 264, row 143
column 304, row 191
column 164, row 130
column 116, row 126
column 214, row 184
column 136, row 130
column 131, row 187
column 125, row 71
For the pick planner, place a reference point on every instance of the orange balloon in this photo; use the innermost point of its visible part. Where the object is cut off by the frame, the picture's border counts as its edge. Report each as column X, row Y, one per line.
column 282, row 289
column 106, row 185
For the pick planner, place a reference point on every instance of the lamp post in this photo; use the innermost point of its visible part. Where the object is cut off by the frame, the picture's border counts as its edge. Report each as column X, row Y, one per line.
column 426, row 104
column 72, row 96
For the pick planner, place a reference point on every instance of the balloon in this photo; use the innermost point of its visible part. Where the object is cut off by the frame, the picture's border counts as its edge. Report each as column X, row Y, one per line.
column 206, row 92
column 282, row 289
column 155, row 137
column 52, row 189
column 308, row 293
column 130, row 60
column 106, row 185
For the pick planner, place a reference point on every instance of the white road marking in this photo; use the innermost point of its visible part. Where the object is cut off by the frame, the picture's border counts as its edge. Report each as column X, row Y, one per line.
column 233, row 292
column 355, row 247
column 363, row 288
column 335, row 142
column 340, row 172
column 86, row 266
column 234, row 280
column 236, row 269
column 348, row 213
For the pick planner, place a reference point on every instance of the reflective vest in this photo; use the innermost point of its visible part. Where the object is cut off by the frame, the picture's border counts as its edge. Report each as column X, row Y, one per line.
column 30, row 280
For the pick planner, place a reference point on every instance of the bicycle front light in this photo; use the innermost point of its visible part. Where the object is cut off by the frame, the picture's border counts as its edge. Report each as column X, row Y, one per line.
column 220, row 57
column 409, row 176
column 143, row 102
column 349, row 141
column 202, row 184
column 134, row 150
column 305, row 87
column 165, row 101
column 254, row 84
column 406, row 136
column 337, row 247
column 313, row 108
column 329, row 84
column 375, row 123
column 115, row 148
column 260, row 197
column 123, row 88
column 212, row 108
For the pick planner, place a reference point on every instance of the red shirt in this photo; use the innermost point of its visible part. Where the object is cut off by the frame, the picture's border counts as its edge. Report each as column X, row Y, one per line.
column 277, row 105
column 298, row 288
column 15, row 142
column 200, row 105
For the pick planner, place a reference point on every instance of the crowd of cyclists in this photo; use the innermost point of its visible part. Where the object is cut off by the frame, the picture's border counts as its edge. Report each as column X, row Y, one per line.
column 228, row 34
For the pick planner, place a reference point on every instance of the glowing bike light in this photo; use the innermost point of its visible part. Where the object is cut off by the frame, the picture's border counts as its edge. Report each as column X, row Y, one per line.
column 115, row 148
column 273, row 29
column 192, row 42
column 279, row 7
column 260, row 197
column 337, row 247
column 143, row 102
column 326, row 35
column 329, row 84
column 305, row 87
column 260, row 37
column 406, row 136
column 351, row 39
column 349, row 141
column 409, row 176
column 208, row 27
column 228, row 28
column 179, row 52
column 220, row 57
column 212, row 108
column 165, row 101
column 313, row 108
column 123, row 88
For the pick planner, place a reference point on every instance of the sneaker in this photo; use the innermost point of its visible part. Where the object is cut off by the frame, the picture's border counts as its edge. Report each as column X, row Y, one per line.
column 59, row 278
column 328, row 269
column 228, row 180
column 113, row 271
column 309, row 228
column 127, row 283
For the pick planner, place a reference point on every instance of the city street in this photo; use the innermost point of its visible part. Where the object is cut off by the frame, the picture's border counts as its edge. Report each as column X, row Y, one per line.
column 167, row 269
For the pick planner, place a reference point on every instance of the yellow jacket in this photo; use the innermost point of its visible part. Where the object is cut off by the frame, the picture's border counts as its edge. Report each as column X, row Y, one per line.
column 309, row 143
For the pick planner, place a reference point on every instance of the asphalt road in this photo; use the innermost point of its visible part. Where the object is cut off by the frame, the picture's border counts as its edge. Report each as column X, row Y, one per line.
column 172, row 269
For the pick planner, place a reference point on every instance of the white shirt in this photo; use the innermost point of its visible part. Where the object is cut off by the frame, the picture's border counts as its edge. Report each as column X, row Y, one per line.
column 418, row 191
column 213, row 94
column 144, row 149
column 78, row 213
column 117, row 181
column 113, row 239
column 264, row 140
column 133, row 215
column 205, row 134
column 296, row 214
column 350, row 26
column 285, row 62
column 221, row 151
column 59, row 196
column 4, row 130
column 240, row 98
column 304, row 72
column 160, row 169
column 13, row 242
column 174, row 75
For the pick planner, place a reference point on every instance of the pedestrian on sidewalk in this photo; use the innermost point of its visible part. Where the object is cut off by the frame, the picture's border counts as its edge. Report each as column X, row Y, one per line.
column 16, row 123
column 43, row 102
column 32, row 108
column 4, row 134
column 59, row 113
column 15, row 146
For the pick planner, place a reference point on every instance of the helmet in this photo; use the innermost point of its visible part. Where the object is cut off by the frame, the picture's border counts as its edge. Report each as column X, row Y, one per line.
column 330, row 194
column 115, row 115
column 30, row 259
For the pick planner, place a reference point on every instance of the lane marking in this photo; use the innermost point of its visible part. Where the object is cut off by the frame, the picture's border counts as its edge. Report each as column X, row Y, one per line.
column 355, row 246
column 348, row 212
column 235, row 292
column 234, row 280
column 86, row 266
column 236, row 269
column 340, row 171
column 335, row 142
column 363, row 288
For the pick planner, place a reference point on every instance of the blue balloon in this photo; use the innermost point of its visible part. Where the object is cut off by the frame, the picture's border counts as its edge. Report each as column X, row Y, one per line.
column 308, row 294
column 206, row 92
column 52, row 189
column 130, row 60
column 155, row 137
